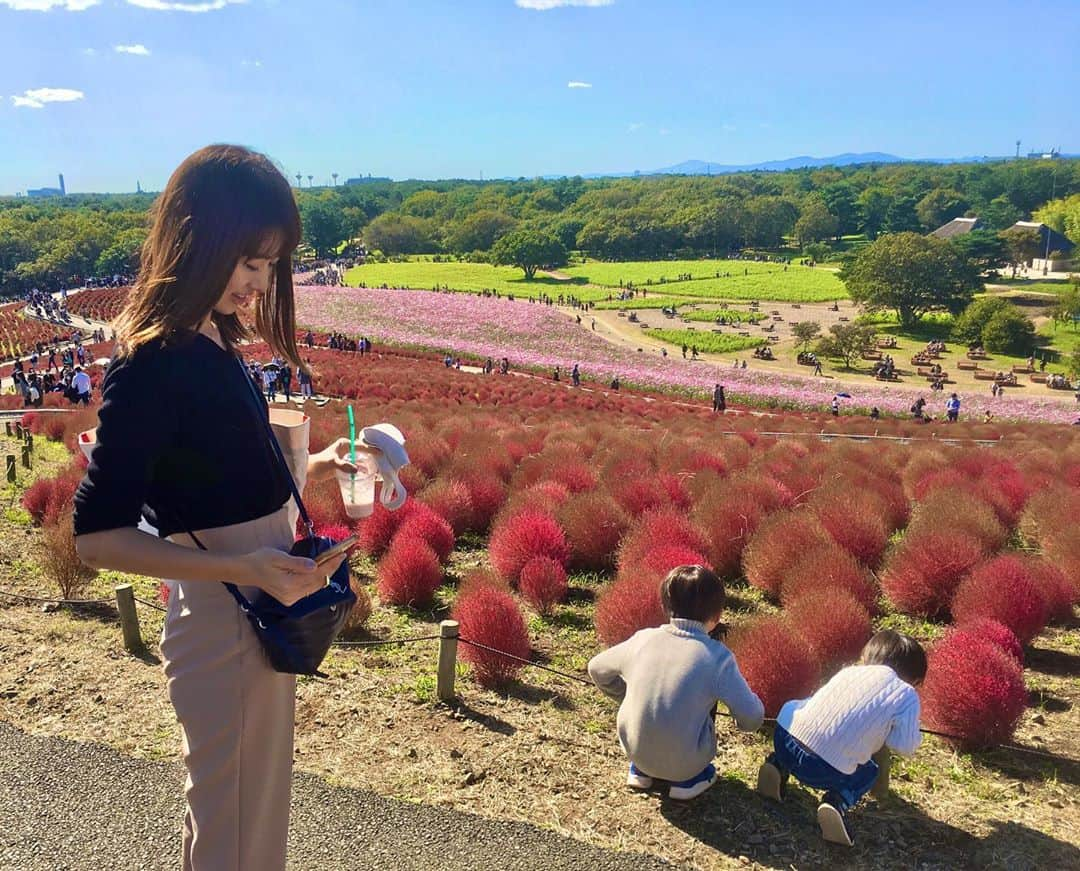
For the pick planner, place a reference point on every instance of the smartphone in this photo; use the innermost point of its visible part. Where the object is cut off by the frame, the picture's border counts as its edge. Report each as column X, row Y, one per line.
column 336, row 551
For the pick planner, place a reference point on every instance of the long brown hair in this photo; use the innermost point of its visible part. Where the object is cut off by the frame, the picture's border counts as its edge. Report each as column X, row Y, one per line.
column 223, row 203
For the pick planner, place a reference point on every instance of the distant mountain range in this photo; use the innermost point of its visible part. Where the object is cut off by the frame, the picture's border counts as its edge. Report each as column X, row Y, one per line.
column 701, row 167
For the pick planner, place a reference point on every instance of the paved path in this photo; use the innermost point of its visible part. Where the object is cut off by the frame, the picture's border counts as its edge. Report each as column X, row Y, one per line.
column 66, row 805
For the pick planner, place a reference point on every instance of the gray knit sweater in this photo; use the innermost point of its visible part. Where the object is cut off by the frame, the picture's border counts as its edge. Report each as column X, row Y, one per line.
column 667, row 680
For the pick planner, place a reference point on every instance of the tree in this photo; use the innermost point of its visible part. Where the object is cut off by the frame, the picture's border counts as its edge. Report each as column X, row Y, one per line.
column 910, row 274
column 529, row 250
column 1063, row 215
column 940, row 206
column 846, row 342
column 805, row 332
column 901, row 216
column 968, row 327
column 1067, row 308
column 1009, row 331
column 874, row 203
column 324, row 224
column 816, row 222
column 839, row 199
column 1022, row 245
column 985, row 249
column 479, row 231
column 399, row 234
column 1000, row 213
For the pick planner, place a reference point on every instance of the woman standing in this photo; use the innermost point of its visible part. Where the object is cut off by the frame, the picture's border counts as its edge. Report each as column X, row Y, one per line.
column 221, row 243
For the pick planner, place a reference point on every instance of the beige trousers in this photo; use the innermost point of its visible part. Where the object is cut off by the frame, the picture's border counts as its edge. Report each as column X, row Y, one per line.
column 236, row 713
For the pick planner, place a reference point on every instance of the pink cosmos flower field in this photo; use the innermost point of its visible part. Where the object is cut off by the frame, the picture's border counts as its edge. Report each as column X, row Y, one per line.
column 532, row 335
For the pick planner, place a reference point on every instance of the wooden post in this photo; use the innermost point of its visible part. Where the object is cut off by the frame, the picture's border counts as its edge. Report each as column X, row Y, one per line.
column 129, row 617
column 7, row 428
column 25, row 457
column 883, row 758
column 448, row 637
column 29, row 441
column 11, row 468
column 18, row 430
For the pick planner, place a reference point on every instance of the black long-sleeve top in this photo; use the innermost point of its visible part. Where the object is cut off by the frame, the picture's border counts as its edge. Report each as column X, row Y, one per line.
column 179, row 441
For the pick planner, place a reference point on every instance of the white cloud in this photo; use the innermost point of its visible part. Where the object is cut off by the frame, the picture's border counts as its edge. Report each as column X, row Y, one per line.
column 46, row 5
column 544, row 5
column 138, row 48
column 634, row 127
column 183, row 5
column 251, row 63
column 36, row 98
column 578, row 85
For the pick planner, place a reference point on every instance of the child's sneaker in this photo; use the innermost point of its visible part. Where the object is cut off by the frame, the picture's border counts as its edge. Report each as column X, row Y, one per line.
column 833, row 822
column 637, row 780
column 771, row 780
column 693, row 787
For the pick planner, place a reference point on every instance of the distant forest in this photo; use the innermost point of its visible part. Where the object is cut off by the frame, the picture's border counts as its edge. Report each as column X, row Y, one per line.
column 48, row 243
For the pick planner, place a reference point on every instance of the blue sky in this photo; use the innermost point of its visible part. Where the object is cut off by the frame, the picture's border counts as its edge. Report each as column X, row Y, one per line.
column 425, row 89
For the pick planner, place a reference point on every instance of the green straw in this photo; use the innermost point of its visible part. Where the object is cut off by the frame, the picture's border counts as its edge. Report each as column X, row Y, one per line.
column 352, row 437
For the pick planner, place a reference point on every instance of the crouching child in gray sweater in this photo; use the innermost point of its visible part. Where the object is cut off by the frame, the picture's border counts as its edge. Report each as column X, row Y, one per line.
column 668, row 681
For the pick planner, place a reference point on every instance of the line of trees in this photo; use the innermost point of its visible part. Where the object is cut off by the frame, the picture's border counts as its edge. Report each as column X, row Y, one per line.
column 47, row 242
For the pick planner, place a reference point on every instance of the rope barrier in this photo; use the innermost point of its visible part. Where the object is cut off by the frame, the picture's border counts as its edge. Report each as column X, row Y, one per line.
column 55, row 601
column 568, row 676
column 153, row 605
column 387, row 642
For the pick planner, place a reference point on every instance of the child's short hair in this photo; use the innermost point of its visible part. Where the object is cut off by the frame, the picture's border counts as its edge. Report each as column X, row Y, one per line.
column 692, row 593
column 902, row 653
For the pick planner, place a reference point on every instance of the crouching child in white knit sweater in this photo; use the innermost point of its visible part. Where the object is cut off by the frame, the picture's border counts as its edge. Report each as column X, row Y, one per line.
column 826, row 741
column 668, row 681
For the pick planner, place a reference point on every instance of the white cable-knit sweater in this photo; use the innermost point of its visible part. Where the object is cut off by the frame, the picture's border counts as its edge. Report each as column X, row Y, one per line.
column 862, row 709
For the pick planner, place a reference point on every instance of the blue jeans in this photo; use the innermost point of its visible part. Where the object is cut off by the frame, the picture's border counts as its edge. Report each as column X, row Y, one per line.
column 813, row 771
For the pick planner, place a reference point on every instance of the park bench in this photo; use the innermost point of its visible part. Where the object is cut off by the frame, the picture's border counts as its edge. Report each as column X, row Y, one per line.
column 775, row 312
column 967, row 365
column 774, row 338
column 796, row 305
column 985, row 375
column 844, row 318
column 777, row 318
column 1066, row 385
column 1023, row 370
column 1040, row 377
column 881, row 376
column 871, row 355
column 974, row 355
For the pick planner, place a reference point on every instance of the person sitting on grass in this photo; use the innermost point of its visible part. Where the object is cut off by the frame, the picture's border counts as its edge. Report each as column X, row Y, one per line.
column 827, row 740
column 668, row 680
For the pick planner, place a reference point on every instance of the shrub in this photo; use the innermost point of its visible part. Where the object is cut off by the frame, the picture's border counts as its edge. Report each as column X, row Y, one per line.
column 1004, row 589
column 626, row 605
column 423, row 523
column 973, row 691
column 376, row 531
column 36, row 497
column 163, row 591
column 576, row 477
column 1057, row 592
column 778, row 542
column 543, row 583
column 452, row 501
column 481, row 576
column 60, row 562
column 922, row 574
column 727, row 529
column 409, row 574
column 998, row 633
column 666, row 525
column 824, row 567
column 527, row 534
column 833, row 623
column 638, row 495
column 594, row 524
column 490, row 616
column 959, row 511
column 856, row 525
column 360, row 612
column 337, row 533
column 487, row 493
column 324, row 505
column 777, row 663
column 663, row 558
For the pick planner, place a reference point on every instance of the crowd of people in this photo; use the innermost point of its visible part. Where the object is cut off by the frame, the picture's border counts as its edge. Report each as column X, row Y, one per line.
column 41, row 374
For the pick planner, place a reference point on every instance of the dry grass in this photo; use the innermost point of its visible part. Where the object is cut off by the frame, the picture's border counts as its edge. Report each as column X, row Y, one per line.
column 545, row 750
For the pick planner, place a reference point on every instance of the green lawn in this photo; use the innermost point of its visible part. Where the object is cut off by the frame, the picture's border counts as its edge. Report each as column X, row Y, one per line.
column 706, row 341
column 649, row 302
column 710, row 315
column 738, row 279
column 468, row 277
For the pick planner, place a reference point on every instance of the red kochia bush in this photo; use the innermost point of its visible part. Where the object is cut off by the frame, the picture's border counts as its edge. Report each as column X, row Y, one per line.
column 376, row 531
column 922, row 574
column 543, row 583
column 1000, row 634
column 527, row 534
column 778, row 542
column 1003, row 589
column 409, row 573
column 777, row 663
column 423, row 523
column 973, row 690
column 594, row 524
column 487, row 494
column 826, row 567
column 36, row 497
column 834, row 625
column 452, row 501
column 491, row 617
column 1058, row 593
column 664, row 526
column 628, row 604
column 856, row 525
column 727, row 529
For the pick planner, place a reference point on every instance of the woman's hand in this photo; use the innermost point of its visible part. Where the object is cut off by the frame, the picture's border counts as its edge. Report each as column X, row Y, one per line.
column 325, row 464
column 287, row 578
